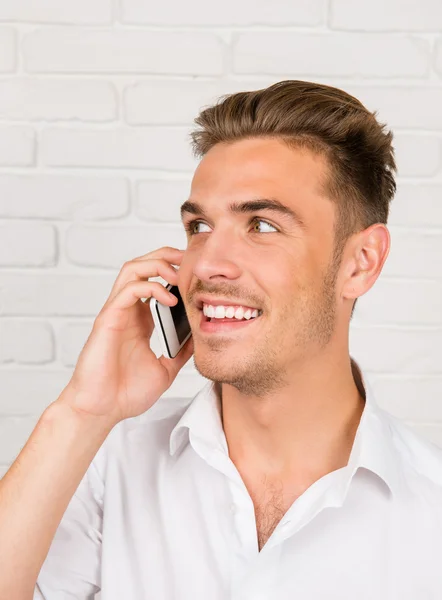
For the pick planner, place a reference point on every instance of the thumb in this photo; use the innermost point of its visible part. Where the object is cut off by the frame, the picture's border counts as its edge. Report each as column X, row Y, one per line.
column 174, row 365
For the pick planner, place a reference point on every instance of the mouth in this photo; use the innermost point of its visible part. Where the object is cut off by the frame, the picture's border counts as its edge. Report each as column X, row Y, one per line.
column 212, row 325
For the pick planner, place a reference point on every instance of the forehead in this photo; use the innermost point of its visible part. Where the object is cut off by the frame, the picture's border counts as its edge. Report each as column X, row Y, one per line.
column 262, row 168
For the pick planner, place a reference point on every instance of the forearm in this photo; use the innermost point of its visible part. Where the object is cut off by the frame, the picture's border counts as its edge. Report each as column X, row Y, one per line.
column 36, row 491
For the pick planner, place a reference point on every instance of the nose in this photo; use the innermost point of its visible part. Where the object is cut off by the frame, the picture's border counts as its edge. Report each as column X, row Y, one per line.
column 218, row 258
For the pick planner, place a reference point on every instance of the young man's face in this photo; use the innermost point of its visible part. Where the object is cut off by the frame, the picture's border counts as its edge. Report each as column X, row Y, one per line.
column 272, row 262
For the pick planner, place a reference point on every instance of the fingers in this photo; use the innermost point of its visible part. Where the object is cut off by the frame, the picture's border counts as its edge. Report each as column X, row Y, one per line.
column 158, row 263
column 134, row 290
column 166, row 252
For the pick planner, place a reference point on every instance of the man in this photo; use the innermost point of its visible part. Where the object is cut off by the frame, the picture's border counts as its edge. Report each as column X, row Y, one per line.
column 282, row 478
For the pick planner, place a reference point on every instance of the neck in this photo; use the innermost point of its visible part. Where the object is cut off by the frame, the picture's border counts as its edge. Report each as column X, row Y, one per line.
column 305, row 430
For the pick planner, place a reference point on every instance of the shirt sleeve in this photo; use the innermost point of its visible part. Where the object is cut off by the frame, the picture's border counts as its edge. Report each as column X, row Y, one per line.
column 72, row 568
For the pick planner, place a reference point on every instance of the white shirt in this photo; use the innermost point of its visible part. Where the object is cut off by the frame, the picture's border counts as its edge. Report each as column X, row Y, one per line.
column 163, row 514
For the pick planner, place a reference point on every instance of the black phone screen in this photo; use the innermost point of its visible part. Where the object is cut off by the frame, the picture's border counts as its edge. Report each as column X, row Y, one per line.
column 179, row 315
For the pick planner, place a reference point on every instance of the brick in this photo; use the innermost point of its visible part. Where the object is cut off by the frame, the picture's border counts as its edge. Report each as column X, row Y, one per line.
column 122, row 51
column 51, row 100
column 26, row 342
column 16, row 146
column 160, row 200
column 411, row 398
column 401, row 106
column 247, row 12
column 438, row 56
column 42, row 294
column 153, row 148
column 417, row 205
column 47, row 11
column 28, row 245
column 348, row 54
column 400, row 302
column 63, row 197
column 398, row 350
column 72, row 338
column 417, row 155
column 378, row 15
column 8, row 51
column 154, row 102
column 414, row 254
column 30, row 391
column 110, row 247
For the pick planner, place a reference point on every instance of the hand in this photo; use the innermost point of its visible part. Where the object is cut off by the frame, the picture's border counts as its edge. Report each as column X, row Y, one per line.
column 117, row 374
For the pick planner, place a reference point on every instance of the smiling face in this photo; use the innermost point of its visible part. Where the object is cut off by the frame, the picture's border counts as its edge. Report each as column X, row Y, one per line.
column 265, row 258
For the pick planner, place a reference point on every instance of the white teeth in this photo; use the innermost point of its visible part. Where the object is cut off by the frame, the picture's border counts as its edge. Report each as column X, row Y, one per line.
column 219, row 312
column 239, row 313
column 229, row 312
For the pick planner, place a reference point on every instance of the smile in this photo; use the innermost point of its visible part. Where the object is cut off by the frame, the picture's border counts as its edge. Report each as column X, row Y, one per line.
column 208, row 325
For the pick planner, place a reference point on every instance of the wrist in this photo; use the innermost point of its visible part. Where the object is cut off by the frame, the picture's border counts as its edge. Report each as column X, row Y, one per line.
column 68, row 406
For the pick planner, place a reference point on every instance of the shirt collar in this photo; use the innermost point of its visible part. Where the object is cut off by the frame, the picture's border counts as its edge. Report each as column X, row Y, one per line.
column 373, row 446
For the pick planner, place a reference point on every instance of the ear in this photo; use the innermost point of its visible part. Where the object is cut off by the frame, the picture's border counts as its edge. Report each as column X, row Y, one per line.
column 368, row 252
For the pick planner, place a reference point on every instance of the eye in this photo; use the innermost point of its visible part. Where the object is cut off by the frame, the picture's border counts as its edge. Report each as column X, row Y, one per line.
column 189, row 227
column 256, row 220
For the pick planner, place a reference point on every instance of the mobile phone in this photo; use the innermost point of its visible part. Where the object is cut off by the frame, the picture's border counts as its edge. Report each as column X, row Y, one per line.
column 171, row 323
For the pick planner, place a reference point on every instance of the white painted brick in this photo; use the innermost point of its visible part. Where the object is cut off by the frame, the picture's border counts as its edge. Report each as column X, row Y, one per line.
column 7, row 49
column 399, row 350
column 153, row 148
column 41, row 294
column 48, row 11
column 414, row 254
column 160, row 200
column 417, row 155
column 410, row 398
column 401, row 106
column 30, row 391
column 400, row 302
column 344, row 54
column 63, row 197
column 38, row 99
column 386, row 15
column 122, row 51
column 438, row 56
column 28, row 245
column 430, row 431
column 417, row 205
column 233, row 13
column 95, row 246
column 16, row 146
column 155, row 101
column 72, row 338
column 26, row 342
column 14, row 433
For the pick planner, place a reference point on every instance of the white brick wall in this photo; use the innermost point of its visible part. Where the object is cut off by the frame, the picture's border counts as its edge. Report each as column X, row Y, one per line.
column 96, row 104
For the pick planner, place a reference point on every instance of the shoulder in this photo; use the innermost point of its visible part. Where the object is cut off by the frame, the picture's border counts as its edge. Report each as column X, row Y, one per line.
column 138, row 438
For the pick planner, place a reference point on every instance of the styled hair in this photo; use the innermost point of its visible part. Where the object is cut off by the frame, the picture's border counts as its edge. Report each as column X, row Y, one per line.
column 327, row 121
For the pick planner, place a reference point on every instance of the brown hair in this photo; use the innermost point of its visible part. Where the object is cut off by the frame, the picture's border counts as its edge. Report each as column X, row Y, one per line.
column 327, row 121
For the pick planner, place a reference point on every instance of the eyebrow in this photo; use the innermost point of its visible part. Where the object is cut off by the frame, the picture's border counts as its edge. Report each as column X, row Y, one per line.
column 257, row 204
